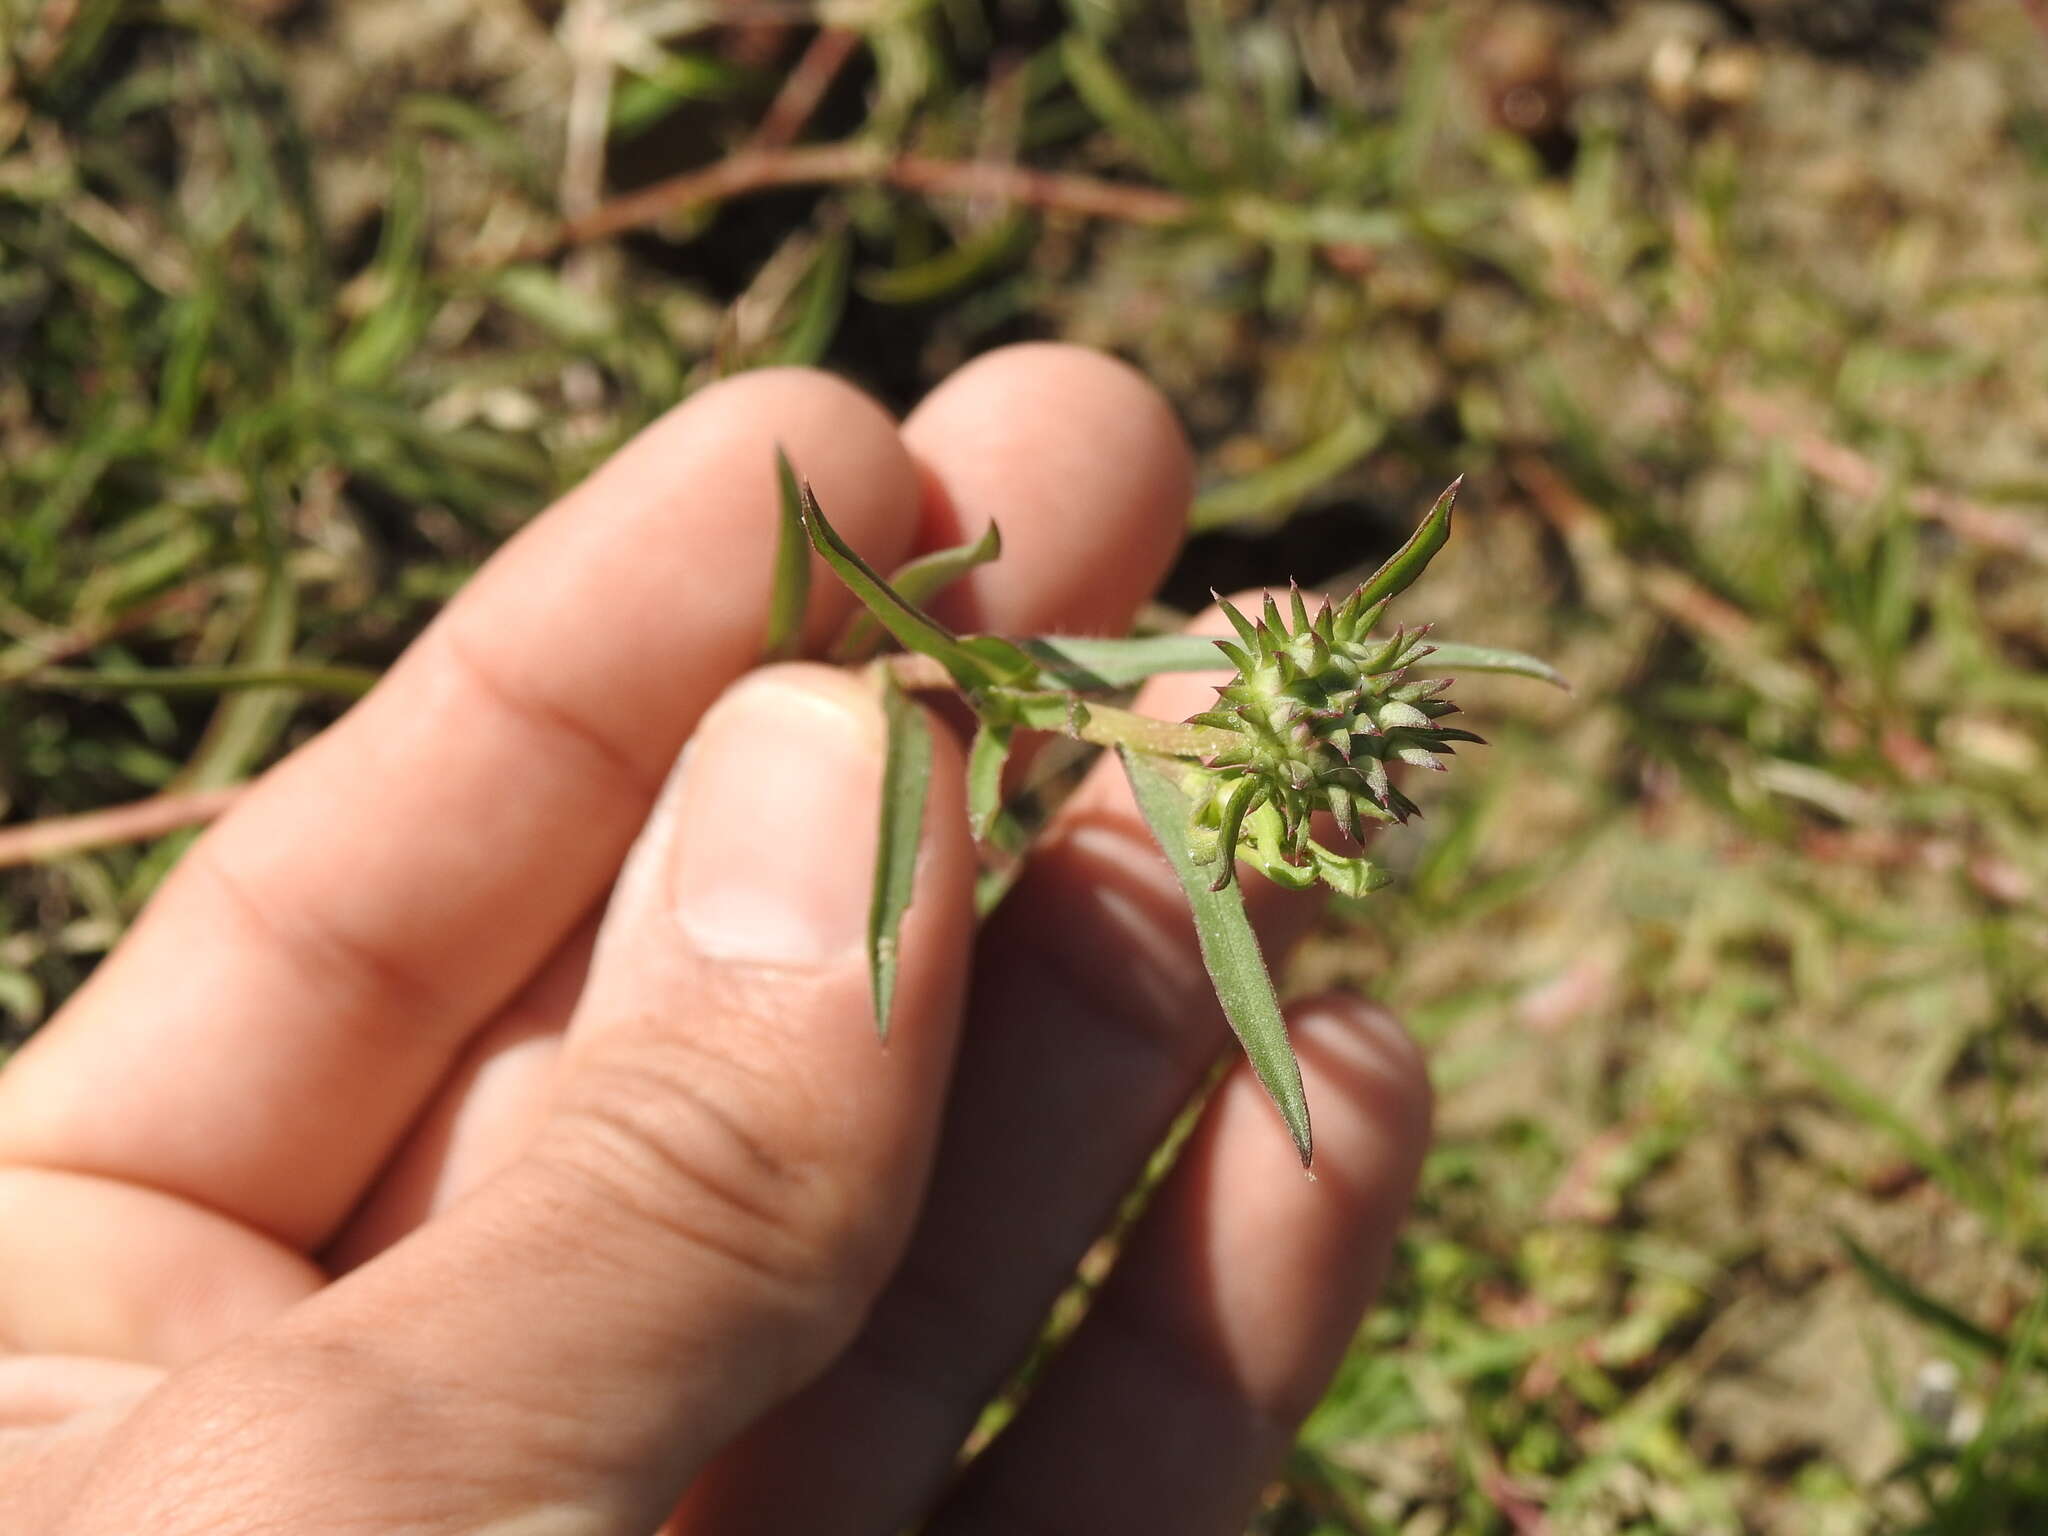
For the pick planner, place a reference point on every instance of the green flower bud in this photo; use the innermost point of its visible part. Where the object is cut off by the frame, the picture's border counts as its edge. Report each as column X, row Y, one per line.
column 1318, row 709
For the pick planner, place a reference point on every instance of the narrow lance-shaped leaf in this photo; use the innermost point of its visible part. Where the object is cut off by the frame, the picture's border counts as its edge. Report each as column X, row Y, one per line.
column 1111, row 98
column 1909, row 1298
column 985, row 761
column 1997, row 1427
column 1276, row 489
column 1963, row 1178
column 975, row 665
column 906, row 774
column 1097, row 666
column 1409, row 561
column 918, row 582
column 1100, row 665
column 792, row 586
column 247, row 722
column 1449, row 656
column 953, row 268
column 824, row 301
column 1230, row 950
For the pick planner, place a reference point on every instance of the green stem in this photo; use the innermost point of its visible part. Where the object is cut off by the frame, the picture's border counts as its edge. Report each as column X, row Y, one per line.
column 1101, row 725
column 1107, row 726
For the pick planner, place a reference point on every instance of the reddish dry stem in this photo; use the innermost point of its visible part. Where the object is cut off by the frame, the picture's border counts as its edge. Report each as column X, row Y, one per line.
column 32, row 656
column 804, row 88
column 58, row 836
column 757, row 170
column 1850, row 472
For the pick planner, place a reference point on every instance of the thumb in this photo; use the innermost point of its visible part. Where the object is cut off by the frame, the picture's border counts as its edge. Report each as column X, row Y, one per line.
column 726, row 1176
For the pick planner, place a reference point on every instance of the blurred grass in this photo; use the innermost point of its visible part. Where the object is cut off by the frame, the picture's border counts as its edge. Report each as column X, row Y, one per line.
column 1734, row 964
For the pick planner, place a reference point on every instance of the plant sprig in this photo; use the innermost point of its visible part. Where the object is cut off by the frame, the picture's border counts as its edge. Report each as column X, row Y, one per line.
column 1318, row 712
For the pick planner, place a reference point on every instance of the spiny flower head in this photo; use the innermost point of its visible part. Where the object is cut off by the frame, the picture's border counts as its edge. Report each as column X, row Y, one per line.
column 1318, row 710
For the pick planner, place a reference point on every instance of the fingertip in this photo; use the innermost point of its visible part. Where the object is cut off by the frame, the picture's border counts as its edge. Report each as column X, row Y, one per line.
column 858, row 693
column 1083, row 464
column 802, row 684
column 707, row 465
column 1316, row 1248
column 797, row 406
column 766, row 831
column 1368, row 1091
column 837, row 436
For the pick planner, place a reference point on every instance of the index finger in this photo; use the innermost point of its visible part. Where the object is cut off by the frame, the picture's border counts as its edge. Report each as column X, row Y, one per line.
column 291, row 997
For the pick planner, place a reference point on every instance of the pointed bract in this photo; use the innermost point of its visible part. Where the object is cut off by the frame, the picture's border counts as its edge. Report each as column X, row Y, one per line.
column 1231, row 824
column 1240, row 623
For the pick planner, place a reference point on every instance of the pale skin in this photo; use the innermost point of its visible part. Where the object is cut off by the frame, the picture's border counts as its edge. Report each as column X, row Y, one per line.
column 421, row 1164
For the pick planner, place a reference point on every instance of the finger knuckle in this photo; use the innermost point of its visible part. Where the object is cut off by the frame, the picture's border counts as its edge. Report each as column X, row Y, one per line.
column 682, row 1140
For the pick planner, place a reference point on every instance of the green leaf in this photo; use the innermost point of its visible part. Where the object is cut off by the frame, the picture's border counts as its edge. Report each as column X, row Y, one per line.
column 985, row 761
column 247, row 724
column 1451, row 656
column 484, row 132
column 792, row 586
column 193, row 323
column 1044, row 711
column 975, row 664
column 1123, row 111
column 1100, row 665
column 1280, row 487
column 906, row 774
column 1971, row 1479
column 570, row 315
column 1341, row 224
column 1916, row 1303
column 1219, row 45
column 937, row 276
column 391, row 329
column 666, row 80
column 1348, row 874
column 1399, row 573
column 917, row 582
column 1230, row 950
column 1962, row 1180
column 1004, row 662
column 824, row 301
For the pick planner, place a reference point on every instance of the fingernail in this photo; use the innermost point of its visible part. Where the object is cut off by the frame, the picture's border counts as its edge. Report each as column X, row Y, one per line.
column 777, row 806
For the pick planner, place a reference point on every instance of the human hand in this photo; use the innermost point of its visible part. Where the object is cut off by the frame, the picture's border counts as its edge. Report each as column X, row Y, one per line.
column 371, row 1185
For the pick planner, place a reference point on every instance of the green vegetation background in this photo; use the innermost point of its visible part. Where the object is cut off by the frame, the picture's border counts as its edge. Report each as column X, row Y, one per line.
column 1734, row 964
